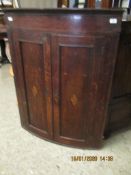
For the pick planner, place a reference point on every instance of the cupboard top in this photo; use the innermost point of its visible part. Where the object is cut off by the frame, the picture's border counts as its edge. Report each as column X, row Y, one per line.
column 76, row 21
column 66, row 11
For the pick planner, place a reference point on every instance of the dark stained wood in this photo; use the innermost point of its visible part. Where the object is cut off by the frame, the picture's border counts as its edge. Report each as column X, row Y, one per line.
column 120, row 104
column 91, row 3
column 106, row 4
column 120, row 113
column 36, row 80
column 55, row 11
column 122, row 76
column 63, row 62
column 59, row 4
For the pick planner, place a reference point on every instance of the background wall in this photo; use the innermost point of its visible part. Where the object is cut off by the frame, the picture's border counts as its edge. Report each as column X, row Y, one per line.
column 125, row 3
column 38, row 3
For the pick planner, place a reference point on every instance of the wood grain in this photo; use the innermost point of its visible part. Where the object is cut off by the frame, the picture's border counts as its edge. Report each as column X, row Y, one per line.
column 63, row 63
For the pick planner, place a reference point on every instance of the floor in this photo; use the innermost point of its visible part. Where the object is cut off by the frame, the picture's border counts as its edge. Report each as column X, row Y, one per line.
column 21, row 153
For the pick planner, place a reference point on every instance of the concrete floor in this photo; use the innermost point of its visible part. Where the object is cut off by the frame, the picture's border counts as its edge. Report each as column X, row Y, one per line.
column 21, row 153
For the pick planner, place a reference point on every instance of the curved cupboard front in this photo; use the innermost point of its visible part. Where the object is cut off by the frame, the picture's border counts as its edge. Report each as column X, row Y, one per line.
column 63, row 63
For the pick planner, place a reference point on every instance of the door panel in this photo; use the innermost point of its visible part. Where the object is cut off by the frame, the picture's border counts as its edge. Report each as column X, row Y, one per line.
column 77, row 88
column 33, row 53
column 73, row 89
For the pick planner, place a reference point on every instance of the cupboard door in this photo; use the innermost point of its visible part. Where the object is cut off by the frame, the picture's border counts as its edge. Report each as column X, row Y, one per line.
column 32, row 68
column 82, row 72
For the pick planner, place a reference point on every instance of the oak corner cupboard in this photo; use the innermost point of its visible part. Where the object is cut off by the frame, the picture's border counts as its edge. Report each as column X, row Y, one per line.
column 63, row 62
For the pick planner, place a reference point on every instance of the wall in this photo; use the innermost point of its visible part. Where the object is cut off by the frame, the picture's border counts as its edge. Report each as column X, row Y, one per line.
column 38, row 3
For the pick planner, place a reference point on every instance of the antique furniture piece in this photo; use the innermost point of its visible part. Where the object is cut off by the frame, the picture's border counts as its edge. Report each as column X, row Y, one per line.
column 3, row 31
column 120, row 105
column 97, row 3
column 89, row 3
column 63, row 63
column 3, row 35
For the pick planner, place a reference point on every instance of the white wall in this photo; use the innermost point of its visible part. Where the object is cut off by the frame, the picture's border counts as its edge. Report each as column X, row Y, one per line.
column 38, row 3
column 125, row 3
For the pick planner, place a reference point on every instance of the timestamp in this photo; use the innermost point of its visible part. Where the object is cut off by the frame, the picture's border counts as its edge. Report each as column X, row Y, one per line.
column 106, row 158
column 92, row 158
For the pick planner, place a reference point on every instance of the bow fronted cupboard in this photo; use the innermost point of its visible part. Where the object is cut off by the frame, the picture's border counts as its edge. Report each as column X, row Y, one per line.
column 63, row 63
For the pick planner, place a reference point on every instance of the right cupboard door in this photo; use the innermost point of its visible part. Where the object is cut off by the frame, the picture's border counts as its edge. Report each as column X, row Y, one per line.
column 81, row 82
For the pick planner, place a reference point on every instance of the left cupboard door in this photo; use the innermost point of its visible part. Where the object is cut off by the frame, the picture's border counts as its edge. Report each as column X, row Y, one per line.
column 32, row 69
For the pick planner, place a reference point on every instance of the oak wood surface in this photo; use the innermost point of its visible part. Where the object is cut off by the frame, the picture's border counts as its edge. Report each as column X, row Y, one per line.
column 120, row 104
column 63, row 64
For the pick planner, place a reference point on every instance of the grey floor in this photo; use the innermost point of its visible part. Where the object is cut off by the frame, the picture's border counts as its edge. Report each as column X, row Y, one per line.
column 21, row 153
